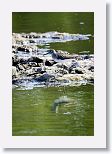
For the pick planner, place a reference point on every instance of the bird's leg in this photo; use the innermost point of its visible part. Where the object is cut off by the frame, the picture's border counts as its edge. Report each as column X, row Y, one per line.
column 64, row 90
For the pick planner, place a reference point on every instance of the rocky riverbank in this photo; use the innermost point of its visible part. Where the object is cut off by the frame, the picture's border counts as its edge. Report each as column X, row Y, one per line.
column 34, row 66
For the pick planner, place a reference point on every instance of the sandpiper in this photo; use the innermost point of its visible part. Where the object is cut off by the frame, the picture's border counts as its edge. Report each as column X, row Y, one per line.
column 58, row 54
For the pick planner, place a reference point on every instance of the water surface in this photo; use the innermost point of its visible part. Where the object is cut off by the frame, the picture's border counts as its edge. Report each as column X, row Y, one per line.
column 33, row 115
column 31, row 109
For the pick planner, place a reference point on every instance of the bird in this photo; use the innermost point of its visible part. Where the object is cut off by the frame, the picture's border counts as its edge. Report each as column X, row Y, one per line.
column 59, row 101
column 59, row 54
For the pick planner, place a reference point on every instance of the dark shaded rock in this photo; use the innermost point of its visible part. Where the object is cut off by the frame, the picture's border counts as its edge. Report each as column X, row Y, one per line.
column 32, row 41
column 19, row 81
column 63, row 66
column 14, row 72
column 62, row 71
column 45, row 77
column 79, row 57
column 91, row 68
column 63, row 55
column 23, row 49
column 15, row 60
column 91, row 80
column 20, row 67
column 39, row 70
column 32, row 64
column 74, row 65
column 31, row 36
column 79, row 71
column 14, row 49
column 35, row 59
column 87, row 56
column 14, row 81
column 36, row 36
column 23, row 61
column 44, row 36
column 26, row 66
column 32, row 74
column 50, row 62
column 55, row 37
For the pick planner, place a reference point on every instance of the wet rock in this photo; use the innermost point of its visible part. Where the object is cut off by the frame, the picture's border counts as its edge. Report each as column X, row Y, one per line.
column 26, row 66
column 87, row 56
column 50, row 62
column 79, row 70
column 20, row 67
column 23, row 49
column 91, row 68
column 51, row 69
column 73, row 66
column 55, row 37
column 15, row 60
column 91, row 80
column 14, row 49
column 79, row 57
column 35, row 59
column 14, row 72
column 62, row 66
column 32, row 64
column 22, row 60
column 29, row 71
column 62, row 71
column 89, row 76
column 70, row 77
column 39, row 70
column 45, row 77
column 63, row 55
column 32, row 41
column 43, row 36
column 33, row 35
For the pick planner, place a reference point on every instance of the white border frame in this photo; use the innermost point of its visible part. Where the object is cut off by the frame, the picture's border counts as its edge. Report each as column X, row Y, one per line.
column 99, row 138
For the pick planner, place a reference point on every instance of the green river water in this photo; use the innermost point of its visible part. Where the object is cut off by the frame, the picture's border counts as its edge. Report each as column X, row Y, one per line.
column 31, row 109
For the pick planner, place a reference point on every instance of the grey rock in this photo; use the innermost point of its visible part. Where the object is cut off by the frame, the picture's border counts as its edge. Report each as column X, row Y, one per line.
column 50, row 62
column 35, row 59
column 91, row 68
column 14, row 72
column 20, row 67
column 15, row 60
column 74, row 65
column 45, row 77
column 79, row 70
column 24, row 49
